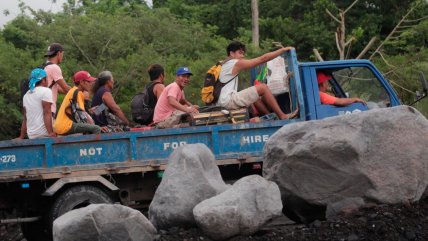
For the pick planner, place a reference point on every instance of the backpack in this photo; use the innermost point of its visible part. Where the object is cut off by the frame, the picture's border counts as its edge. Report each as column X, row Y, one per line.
column 112, row 119
column 212, row 86
column 142, row 112
column 75, row 113
column 25, row 82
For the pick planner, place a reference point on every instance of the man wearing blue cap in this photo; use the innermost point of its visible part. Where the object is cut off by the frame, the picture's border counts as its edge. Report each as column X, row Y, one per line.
column 37, row 104
column 172, row 104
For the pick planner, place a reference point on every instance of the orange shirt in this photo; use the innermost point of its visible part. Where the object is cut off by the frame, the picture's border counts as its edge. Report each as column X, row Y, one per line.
column 63, row 123
column 327, row 99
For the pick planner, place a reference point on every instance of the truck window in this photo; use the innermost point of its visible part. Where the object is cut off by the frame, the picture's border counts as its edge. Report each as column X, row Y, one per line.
column 361, row 82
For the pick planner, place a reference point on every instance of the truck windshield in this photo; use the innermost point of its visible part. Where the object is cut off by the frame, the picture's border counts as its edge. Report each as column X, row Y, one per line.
column 361, row 82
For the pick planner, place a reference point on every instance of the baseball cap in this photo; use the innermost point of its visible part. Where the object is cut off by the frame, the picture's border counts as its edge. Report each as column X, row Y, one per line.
column 53, row 48
column 37, row 74
column 183, row 71
column 323, row 77
column 82, row 75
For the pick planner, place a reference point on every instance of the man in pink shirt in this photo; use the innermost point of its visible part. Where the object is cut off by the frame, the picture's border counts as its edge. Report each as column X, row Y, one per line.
column 56, row 82
column 172, row 104
column 327, row 99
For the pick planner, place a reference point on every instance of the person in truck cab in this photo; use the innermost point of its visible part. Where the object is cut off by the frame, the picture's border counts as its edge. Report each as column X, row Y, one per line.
column 327, row 99
column 172, row 104
column 259, row 95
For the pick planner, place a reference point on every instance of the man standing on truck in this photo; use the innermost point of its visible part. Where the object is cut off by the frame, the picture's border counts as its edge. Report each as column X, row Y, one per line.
column 259, row 95
column 56, row 82
column 172, row 103
column 37, row 106
column 327, row 99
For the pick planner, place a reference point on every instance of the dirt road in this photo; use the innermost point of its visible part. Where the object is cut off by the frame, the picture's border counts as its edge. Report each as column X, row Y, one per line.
column 381, row 222
column 378, row 223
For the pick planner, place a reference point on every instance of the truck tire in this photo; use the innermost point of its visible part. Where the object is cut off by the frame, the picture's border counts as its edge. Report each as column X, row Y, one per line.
column 77, row 197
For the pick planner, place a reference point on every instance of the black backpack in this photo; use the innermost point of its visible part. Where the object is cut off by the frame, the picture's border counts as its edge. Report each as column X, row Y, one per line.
column 25, row 82
column 74, row 112
column 142, row 112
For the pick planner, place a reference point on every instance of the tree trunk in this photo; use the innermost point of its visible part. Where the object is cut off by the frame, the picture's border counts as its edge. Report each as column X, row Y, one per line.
column 255, row 22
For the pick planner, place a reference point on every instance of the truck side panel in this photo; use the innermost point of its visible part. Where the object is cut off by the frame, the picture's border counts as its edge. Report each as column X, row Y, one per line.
column 131, row 151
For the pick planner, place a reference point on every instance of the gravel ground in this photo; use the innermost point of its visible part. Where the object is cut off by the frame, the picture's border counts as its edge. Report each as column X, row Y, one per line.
column 381, row 222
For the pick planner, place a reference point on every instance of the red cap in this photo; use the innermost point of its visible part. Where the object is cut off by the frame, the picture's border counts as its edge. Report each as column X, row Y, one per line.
column 82, row 75
column 323, row 77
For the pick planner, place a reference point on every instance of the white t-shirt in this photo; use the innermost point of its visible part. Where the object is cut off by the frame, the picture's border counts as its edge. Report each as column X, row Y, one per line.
column 232, row 86
column 34, row 111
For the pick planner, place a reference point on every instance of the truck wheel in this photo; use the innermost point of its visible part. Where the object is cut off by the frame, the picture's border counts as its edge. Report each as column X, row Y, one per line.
column 77, row 197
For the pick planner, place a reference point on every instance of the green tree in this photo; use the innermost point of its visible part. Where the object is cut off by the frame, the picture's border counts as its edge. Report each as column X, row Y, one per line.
column 125, row 37
column 125, row 42
column 14, row 66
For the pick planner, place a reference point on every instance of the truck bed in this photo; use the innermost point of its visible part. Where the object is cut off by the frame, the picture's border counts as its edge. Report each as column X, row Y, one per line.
column 126, row 152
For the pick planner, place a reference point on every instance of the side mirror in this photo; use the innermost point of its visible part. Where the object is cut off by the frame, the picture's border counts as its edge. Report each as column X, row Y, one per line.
column 424, row 88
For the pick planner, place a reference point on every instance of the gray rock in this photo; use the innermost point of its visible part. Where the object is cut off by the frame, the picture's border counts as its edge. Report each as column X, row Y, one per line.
column 103, row 222
column 190, row 177
column 345, row 207
column 243, row 209
column 378, row 155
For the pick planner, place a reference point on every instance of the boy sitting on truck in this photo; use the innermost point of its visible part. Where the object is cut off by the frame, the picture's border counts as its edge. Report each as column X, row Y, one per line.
column 259, row 95
column 172, row 104
column 37, row 107
column 64, row 125
column 106, row 113
column 327, row 99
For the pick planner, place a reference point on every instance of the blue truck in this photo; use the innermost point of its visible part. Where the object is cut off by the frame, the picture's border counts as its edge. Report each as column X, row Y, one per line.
column 44, row 178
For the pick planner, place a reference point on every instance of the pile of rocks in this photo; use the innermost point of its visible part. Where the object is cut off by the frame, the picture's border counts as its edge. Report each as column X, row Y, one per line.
column 191, row 193
column 313, row 171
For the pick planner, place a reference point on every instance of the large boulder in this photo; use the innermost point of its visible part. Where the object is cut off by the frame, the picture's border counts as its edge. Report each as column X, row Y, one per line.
column 190, row 177
column 103, row 222
column 243, row 209
column 379, row 155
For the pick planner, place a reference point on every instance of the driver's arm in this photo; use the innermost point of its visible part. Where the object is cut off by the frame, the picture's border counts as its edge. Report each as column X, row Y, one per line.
column 348, row 101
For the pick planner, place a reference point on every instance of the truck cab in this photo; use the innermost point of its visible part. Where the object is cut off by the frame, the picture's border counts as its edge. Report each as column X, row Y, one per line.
column 351, row 78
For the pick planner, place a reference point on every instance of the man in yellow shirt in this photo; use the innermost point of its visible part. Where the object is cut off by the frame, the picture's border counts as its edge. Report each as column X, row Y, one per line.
column 64, row 124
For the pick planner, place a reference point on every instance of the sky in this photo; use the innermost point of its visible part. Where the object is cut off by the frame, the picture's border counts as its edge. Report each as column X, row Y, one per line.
column 12, row 7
